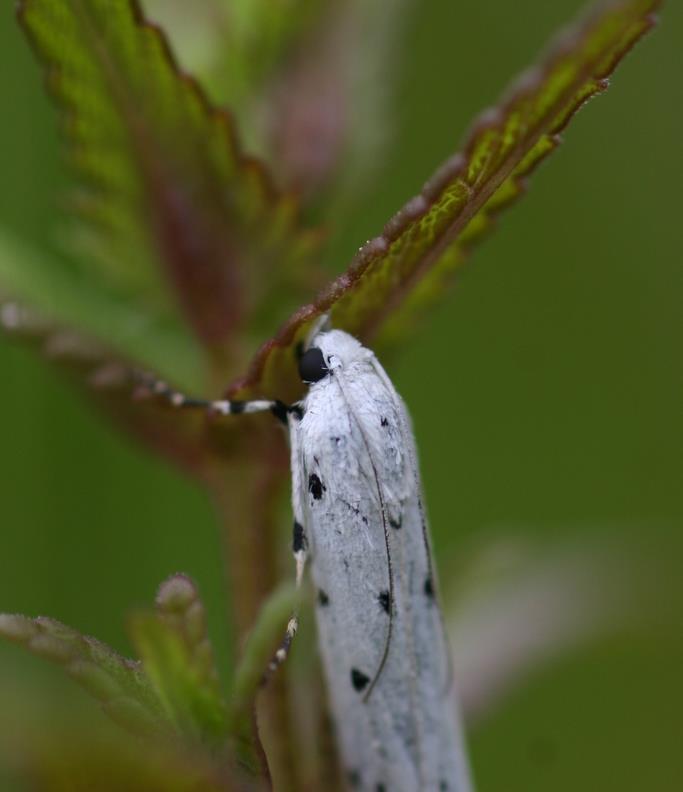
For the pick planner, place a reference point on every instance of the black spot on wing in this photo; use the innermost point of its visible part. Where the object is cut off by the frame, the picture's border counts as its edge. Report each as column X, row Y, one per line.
column 384, row 422
column 384, row 599
column 396, row 522
column 359, row 680
column 356, row 511
column 380, row 788
column 315, row 486
column 443, row 786
column 323, row 599
column 298, row 538
column 236, row 407
column 354, row 778
column 429, row 588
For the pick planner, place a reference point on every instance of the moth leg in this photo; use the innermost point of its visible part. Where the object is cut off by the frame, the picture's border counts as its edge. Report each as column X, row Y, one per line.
column 149, row 386
column 300, row 552
column 299, row 537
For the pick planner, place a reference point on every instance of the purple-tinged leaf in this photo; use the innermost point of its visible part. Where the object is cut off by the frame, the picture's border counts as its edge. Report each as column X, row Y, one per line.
column 181, row 216
column 395, row 274
column 327, row 111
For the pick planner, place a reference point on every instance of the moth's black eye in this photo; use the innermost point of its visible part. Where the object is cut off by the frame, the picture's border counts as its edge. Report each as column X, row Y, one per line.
column 312, row 366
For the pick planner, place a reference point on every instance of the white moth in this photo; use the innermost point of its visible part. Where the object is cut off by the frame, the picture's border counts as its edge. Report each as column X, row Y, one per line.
column 359, row 519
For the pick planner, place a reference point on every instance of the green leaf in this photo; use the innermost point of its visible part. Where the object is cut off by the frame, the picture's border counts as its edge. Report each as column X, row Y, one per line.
column 235, row 46
column 396, row 274
column 178, row 658
column 83, row 760
column 260, row 645
column 63, row 299
column 119, row 684
column 180, row 217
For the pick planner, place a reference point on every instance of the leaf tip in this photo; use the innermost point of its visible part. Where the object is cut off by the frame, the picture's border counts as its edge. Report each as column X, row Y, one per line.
column 16, row 628
column 176, row 594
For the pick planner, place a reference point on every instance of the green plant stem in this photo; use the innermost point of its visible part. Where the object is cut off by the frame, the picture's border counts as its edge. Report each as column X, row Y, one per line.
column 247, row 496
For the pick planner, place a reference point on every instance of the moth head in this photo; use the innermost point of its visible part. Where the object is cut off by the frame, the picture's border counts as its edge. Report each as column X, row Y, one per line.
column 312, row 365
column 329, row 351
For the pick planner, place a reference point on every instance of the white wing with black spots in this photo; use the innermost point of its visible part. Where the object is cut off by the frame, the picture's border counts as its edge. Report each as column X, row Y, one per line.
column 358, row 498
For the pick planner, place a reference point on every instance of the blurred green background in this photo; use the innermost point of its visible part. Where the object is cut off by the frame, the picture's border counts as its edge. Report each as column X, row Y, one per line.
column 546, row 394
